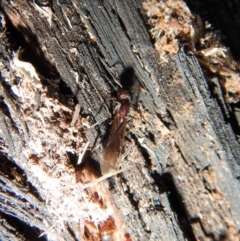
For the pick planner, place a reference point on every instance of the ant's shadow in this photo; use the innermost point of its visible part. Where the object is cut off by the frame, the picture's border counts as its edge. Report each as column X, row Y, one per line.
column 127, row 78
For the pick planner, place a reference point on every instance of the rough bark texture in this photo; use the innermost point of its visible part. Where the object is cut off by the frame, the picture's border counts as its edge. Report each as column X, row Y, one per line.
column 179, row 179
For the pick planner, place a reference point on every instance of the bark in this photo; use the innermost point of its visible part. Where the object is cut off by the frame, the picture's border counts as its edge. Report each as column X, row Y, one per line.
column 180, row 175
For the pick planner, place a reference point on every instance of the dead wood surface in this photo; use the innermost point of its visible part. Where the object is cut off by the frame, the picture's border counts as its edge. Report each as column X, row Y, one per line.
column 180, row 176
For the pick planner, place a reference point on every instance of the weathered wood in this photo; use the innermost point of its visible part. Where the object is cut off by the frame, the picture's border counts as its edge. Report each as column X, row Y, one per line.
column 223, row 16
column 179, row 178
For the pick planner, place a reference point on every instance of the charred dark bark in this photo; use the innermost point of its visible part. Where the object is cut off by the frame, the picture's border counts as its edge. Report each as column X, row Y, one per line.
column 179, row 180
